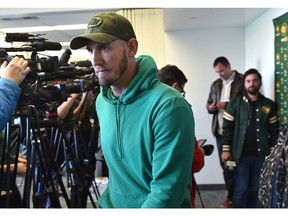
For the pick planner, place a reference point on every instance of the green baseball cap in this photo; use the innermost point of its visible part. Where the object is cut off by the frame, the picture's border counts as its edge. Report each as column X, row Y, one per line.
column 105, row 28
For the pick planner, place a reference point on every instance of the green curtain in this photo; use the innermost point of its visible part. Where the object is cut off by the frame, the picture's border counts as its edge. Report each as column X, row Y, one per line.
column 281, row 65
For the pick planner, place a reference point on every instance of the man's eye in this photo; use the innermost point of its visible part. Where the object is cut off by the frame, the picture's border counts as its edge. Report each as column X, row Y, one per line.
column 104, row 48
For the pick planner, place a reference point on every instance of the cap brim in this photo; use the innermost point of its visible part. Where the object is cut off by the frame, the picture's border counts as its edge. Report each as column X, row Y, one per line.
column 82, row 40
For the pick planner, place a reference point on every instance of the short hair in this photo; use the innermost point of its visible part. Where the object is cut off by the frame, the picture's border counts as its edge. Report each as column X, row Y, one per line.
column 221, row 59
column 170, row 74
column 252, row 71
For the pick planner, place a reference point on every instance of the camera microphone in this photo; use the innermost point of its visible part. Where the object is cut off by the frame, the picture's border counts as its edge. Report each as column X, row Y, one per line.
column 86, row 63
column 45, row 45
column 20, row 37
column 65, row 57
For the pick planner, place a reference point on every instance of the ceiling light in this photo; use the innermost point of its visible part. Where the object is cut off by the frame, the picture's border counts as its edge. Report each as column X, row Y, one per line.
column 12, row 18
column 27, row 29
column 44, row 28
column 70, row 27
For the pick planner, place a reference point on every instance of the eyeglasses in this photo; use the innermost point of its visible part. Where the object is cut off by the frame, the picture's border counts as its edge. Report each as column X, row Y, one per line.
column 182, row 92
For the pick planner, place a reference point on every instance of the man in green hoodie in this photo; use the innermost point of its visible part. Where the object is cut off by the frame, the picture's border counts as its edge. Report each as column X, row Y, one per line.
column 144, row 125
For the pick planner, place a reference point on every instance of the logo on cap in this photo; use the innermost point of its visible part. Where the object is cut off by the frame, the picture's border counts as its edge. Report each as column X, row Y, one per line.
column 96, row 21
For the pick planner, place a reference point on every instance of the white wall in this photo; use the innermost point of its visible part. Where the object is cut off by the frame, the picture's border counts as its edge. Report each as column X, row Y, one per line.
column 259, row 45
column 194, row 51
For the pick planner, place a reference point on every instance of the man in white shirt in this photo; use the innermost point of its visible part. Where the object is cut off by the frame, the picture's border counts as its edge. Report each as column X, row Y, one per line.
column 228, row 85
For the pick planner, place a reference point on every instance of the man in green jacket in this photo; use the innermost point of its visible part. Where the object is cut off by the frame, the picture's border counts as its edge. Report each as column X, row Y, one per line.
column 144, row 125
column 250, row 131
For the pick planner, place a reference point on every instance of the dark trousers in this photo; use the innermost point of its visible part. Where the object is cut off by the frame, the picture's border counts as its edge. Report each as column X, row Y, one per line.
column 247, row 177
column 227, row 174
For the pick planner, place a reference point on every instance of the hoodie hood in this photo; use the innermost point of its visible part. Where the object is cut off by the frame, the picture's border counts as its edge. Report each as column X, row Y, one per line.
column 144, row 79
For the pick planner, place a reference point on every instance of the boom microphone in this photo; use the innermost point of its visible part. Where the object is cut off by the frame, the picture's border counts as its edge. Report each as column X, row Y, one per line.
column 45, row 45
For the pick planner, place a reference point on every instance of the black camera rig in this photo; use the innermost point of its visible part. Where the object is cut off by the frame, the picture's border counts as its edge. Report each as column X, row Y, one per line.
column 49, row 79
column 48, row 149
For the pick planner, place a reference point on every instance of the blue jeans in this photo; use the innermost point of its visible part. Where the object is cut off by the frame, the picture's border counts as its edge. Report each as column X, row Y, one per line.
column 247, row 176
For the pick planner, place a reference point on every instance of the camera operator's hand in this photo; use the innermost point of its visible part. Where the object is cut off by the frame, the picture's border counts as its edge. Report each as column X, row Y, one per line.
column 85, row 102
column 21, row 167
column 16, row 70
column 65, row 107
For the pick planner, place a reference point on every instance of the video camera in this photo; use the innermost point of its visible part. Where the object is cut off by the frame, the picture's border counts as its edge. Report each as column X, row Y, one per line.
column 33, row 44
column 49, row 79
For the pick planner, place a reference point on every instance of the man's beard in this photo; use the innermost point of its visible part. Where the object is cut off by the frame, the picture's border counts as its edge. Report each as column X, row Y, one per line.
column 122, row 68
column 253, row 91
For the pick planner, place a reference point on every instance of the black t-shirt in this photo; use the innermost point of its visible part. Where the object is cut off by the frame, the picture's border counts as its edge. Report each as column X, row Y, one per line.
column 250, row 147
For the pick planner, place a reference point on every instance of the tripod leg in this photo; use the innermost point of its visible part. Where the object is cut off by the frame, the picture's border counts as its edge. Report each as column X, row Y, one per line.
column 25, row 124
column 55, row 170
column 10, row 194
column 199, row 194
column 46, row 166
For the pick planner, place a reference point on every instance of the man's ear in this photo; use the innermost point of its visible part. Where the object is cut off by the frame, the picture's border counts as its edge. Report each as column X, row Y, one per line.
column 132, row 47
column 175, row 85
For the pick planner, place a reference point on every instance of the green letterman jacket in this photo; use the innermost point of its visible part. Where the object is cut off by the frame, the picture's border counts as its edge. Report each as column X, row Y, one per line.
column 235, row 124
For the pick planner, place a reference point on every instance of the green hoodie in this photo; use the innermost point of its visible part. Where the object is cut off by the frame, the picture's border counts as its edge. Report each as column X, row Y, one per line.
column 147, row 137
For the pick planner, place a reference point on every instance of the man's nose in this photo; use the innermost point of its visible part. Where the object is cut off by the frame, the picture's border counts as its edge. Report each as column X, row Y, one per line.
column 96, row 58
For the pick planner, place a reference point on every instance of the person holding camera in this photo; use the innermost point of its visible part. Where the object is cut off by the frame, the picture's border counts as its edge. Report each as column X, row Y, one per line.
column 144, row 124
column 174, row 77
column 227, row 86
column 250, row 132
column 12, row 74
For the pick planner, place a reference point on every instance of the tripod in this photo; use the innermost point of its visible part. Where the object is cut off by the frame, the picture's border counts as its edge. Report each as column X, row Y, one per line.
column 44, row 165
column 10, row 195
column 75, row 176
column 76, row 166
column 41, row 167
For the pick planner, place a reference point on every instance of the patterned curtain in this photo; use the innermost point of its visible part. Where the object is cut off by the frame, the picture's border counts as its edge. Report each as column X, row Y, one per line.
column 281, row 65
column 148, row 25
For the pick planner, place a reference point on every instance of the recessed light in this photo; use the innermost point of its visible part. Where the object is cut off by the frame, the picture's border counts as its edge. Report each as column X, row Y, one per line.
column 19, row 18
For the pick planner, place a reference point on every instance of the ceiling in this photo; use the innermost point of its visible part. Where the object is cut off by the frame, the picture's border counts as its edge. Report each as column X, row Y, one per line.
column 174, row 19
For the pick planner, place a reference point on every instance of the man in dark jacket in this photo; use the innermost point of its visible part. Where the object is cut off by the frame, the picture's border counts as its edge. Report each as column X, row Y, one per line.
column 250, row 132
column 227, row 86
